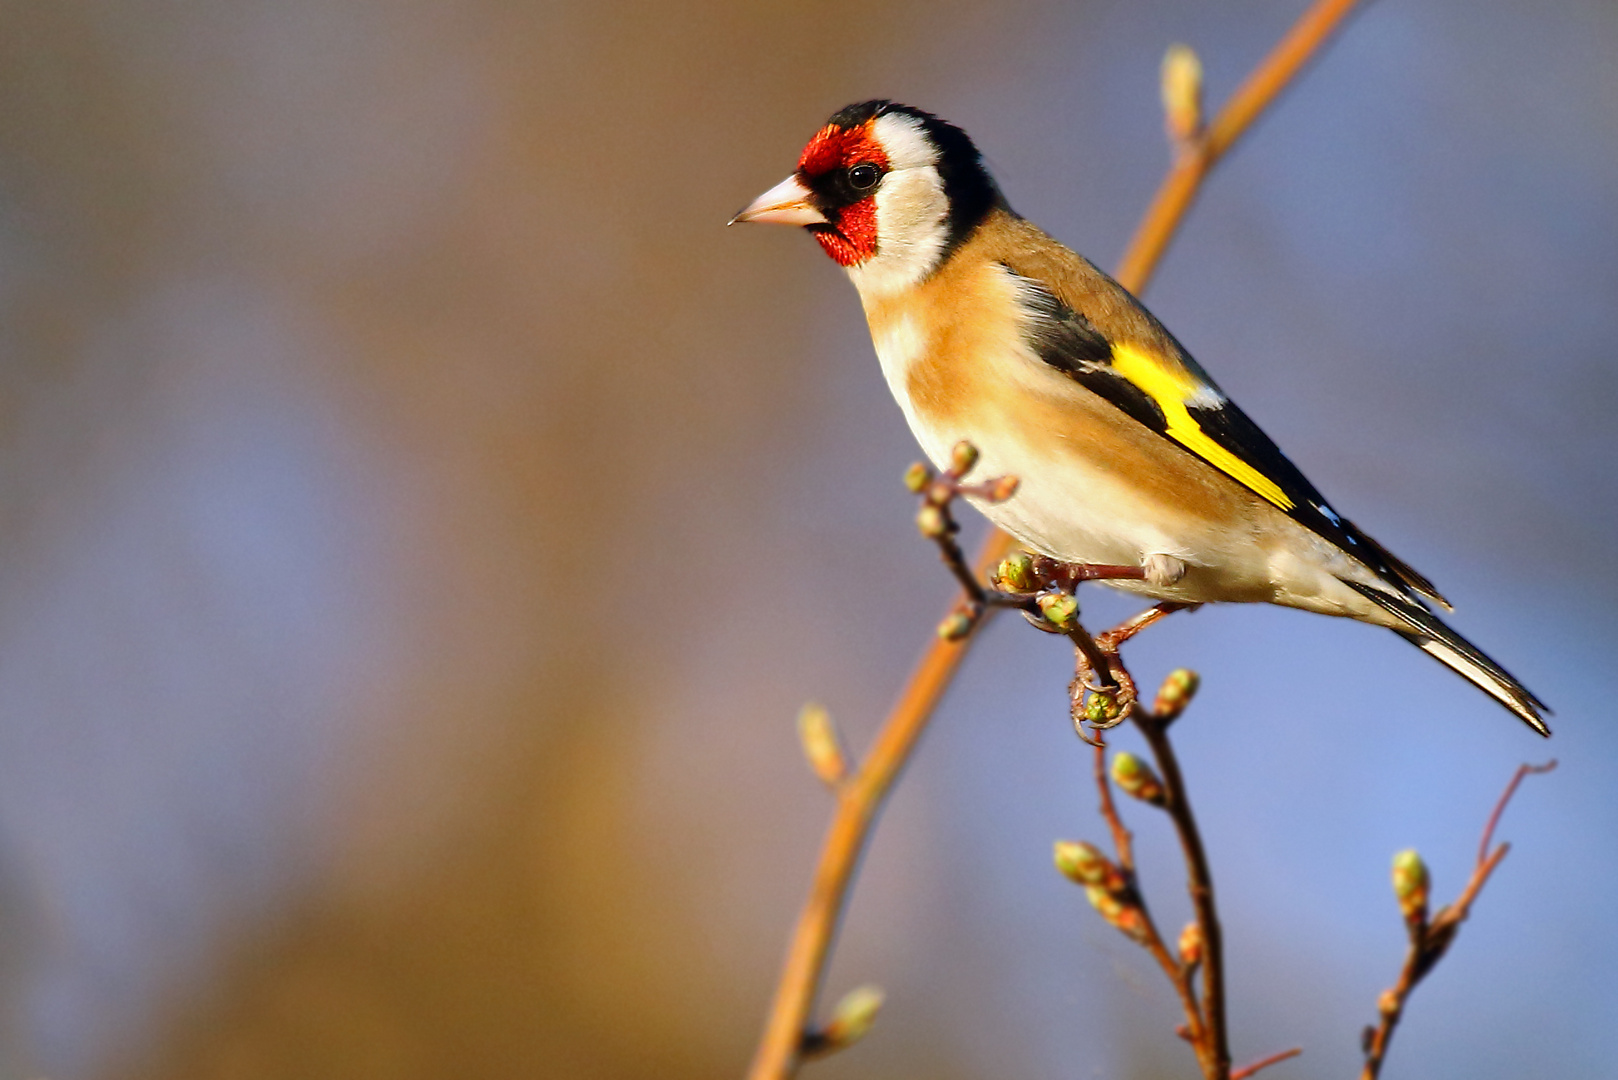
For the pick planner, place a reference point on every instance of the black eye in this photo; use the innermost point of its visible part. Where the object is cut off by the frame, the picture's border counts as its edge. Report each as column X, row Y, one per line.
column 863, row 177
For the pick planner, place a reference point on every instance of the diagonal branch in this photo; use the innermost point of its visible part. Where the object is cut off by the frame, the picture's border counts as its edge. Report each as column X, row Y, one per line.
column 858, row 801
column 1429, row 941
column 1200, row 154
column 861, row 797
column 1264, row 1063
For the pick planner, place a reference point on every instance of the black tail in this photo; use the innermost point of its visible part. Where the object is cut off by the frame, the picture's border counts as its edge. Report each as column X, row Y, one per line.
column 1429, row 634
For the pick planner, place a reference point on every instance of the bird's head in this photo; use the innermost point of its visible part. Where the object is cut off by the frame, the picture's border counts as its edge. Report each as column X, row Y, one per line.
column 888, row 190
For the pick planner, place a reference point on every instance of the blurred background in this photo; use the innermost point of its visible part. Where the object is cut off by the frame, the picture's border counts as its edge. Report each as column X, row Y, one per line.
column 421, row 520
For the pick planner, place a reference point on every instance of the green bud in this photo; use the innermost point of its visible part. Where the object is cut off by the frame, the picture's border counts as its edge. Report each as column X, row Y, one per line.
column 962, row 458
column 1134, row 777
column 1100, row 707
column 1192, row 944
column 1119, row 909
column 917, row 477
column 1411, row 885
column 956, row 625
column 1176, row 693
column 1016, row 572
column 1102, row 899
column 853, row 1017
column 1182, row 92
column 821, row 745
column 1059, row 608
column 932, row 522
column 1081, row 862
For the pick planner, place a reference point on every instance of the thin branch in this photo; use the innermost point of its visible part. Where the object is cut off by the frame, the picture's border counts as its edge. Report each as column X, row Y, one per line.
column 858, row 802
column 1430, row 941
column 1500, row 805
column 1264, row 1063
column 1123, row 843
column 936, row 520
column 1179, row 189
column 1204, row 1026
column 1215, row 1050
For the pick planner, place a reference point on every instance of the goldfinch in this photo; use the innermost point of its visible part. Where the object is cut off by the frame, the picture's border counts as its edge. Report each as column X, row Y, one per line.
column 1128, row 453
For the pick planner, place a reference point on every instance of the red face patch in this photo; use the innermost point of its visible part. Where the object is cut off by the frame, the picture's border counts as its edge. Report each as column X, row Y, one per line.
column 851, row 237
column 837, row 148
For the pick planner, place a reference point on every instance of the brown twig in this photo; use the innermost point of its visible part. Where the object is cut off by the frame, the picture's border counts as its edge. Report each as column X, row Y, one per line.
column 1201, row 153
column 1180, row 974
column 1204, row 1026
column 1215, row 1054
column 859, row 799
column 1123, row 841
column 936, row 520
column 1430, row 940
column 1500, row 805
column 1264, row 1063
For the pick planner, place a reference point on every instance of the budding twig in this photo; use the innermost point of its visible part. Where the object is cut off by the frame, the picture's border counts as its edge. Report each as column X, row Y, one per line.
column 822, row 745
column 1302, row 43
column 1213, row 1050
column 1180, row 971
column 1182, row 96
column 862, row 794
column 850, row 1021
column 936, row 521
column 1119, row 899
column 1429, row 941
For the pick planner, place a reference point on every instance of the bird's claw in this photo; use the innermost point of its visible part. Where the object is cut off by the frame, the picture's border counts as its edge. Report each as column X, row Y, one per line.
column 1098, row 708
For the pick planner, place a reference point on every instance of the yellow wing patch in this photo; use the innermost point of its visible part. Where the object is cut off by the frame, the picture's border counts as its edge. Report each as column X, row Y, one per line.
column 1171, row 387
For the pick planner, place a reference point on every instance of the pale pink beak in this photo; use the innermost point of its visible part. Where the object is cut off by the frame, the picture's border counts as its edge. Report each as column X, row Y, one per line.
column 787, row 203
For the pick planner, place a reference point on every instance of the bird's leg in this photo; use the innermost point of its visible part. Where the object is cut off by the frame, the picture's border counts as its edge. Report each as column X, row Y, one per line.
column 1093, row 670
column 1074, row 573
column 1109, row 641
column 1022, row 577
column 1103, row 693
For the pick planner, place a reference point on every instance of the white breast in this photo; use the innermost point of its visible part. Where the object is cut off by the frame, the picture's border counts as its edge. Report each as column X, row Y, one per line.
column 901, row 342
column 1056, row 509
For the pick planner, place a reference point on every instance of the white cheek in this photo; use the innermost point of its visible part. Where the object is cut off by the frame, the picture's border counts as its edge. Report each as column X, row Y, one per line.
column 911, row 211
column 905, row 140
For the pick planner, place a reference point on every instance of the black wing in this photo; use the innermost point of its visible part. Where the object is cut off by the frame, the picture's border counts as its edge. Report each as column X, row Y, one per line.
column 1174, row 397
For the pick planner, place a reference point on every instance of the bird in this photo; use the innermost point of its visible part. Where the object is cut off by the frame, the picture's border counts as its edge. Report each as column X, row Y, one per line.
column 1127, row 452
